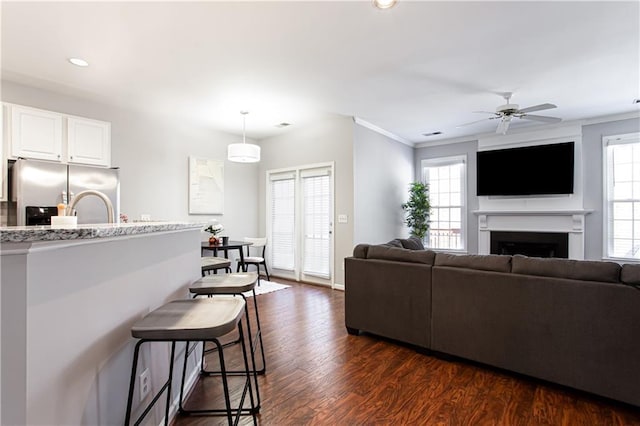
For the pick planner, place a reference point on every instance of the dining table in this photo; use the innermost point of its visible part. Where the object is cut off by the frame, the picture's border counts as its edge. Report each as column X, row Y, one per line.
column 225, row 247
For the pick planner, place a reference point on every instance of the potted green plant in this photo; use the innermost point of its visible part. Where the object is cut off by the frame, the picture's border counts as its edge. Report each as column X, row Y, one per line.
column 418, row 209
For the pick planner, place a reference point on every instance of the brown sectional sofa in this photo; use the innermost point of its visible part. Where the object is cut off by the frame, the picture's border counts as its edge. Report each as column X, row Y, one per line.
column 575, row 323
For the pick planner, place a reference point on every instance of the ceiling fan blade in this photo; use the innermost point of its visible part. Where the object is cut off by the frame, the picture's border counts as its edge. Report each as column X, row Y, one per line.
column 538, row 108
column 542, row 118
column 474, row 122
column 485, row 112
column 503, row 126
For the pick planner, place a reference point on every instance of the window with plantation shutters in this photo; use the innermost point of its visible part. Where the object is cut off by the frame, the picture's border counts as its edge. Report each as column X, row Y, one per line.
column 622, row 196
column 283, row 236
column 316, row 222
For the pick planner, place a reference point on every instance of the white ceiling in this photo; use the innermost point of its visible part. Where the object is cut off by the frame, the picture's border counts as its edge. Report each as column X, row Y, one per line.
column 416, row 68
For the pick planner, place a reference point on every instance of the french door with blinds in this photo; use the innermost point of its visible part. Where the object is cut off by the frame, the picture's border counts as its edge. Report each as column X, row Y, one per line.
column 300, row 223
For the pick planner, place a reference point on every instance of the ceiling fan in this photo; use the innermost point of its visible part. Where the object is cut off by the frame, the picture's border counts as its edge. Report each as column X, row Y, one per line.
column 505, row 113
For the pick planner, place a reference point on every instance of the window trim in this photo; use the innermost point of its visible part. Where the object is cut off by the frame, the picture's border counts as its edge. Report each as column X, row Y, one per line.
column 444, row 161
column 607, row 187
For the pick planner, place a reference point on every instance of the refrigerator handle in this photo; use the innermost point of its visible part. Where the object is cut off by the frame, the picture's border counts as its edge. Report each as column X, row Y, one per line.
column 67, row 198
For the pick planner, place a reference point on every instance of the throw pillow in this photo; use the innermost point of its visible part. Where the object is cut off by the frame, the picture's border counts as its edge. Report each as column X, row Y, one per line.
column 412, row 243
column 394, row 243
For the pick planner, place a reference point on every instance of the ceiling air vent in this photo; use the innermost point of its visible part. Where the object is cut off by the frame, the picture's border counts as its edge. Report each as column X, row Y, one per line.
column 432, row 134
column 283, row 124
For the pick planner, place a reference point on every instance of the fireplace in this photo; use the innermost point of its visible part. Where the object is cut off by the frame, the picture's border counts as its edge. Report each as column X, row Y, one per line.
column 532, row 244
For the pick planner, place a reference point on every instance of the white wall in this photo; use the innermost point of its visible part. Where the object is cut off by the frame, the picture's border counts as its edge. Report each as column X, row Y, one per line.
column 330, row 140
column 152, row 153
column 383, row 169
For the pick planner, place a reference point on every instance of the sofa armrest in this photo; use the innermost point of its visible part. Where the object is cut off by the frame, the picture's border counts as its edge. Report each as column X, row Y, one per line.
column 388, row 298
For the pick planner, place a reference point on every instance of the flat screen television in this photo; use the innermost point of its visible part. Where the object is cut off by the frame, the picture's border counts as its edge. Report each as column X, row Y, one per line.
column 531, row 170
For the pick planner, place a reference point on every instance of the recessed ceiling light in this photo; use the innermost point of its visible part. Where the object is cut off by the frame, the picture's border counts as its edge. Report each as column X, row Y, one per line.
column 79, row 62
column 432, row 134
column 384, row 4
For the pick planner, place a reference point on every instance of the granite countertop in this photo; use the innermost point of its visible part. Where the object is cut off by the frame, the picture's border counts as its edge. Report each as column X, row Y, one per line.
column 19, row 234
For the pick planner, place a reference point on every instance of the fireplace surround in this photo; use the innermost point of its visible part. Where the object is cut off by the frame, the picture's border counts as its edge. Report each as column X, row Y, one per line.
column 570, row 222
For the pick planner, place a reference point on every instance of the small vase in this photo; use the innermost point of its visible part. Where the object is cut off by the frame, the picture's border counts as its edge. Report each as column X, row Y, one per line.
column 213, row 240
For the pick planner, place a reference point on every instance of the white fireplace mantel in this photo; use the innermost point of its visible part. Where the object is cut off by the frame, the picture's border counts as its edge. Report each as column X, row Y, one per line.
column 569, row 221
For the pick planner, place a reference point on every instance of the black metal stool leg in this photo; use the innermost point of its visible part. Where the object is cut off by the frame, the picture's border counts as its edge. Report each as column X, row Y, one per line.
column 187, row 352
column 166, row 410
column 166, row 386
column 259, row 333
column 132, row 382
column 225, row 385
column 254, row 409
column 252, row 351
column 224, row 373
column 253, row 340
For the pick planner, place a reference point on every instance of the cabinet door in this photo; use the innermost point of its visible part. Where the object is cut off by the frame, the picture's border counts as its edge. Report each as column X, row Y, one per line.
column 36, row 134
column 89, row 141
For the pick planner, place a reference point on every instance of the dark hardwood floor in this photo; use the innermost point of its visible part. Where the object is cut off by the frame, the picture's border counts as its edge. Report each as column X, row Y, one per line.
column 317, row 374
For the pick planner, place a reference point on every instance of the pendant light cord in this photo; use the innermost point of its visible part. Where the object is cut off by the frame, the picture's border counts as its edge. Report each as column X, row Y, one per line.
column 244, row 126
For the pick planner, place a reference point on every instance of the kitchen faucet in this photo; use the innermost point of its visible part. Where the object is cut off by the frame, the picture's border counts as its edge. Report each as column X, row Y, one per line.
column 103, row 197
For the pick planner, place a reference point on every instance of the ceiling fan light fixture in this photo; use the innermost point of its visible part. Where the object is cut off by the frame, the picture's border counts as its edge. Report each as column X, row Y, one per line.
column 384, row 4
column 243, row 152
column 505, row 113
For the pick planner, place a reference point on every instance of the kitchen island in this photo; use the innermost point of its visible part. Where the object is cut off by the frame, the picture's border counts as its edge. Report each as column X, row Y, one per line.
column 68, row 298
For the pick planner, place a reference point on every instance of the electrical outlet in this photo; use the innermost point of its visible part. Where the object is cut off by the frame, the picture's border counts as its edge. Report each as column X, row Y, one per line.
column 143, row 384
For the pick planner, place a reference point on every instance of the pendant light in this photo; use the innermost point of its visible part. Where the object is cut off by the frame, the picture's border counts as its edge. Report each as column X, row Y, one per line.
column 243, row 152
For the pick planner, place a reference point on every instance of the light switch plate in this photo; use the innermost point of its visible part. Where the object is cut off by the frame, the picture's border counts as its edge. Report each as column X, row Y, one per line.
column 343, row 218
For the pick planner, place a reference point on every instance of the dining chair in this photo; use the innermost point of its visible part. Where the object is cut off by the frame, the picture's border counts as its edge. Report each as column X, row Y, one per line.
column 255, row 255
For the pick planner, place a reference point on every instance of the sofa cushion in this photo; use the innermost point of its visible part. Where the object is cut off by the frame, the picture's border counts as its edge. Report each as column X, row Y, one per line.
column 486, row 262
column 412, row 243
column 630, row 274
column 385, row 252
column 584, row 270
column 360, row 251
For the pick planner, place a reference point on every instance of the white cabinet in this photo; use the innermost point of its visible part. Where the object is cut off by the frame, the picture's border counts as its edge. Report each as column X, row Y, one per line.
column 88, row 141
column 48, row 135
column 35, row 133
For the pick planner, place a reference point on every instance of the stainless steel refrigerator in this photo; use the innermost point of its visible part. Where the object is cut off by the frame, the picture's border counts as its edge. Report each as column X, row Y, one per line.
column 42, row 185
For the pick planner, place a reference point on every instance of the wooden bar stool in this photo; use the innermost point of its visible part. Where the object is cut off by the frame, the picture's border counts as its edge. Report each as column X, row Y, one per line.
column 236, row 284
column 213, row 264
column 193, row 320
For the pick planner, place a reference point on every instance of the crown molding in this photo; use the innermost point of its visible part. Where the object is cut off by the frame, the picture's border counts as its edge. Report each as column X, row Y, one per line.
column 612, row 117
column 382, row 131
